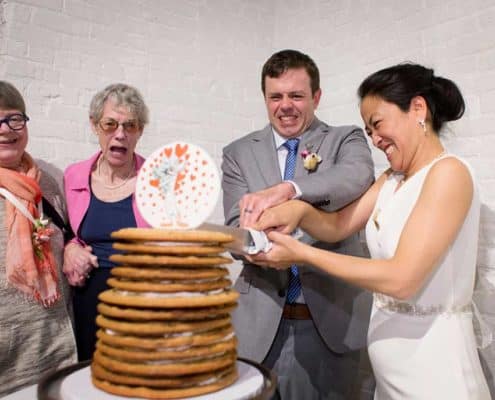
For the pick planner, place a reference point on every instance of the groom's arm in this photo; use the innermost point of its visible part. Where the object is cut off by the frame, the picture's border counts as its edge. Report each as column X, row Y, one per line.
column 343, row 176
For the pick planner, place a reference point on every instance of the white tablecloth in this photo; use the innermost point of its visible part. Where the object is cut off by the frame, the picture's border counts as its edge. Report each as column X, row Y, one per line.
column 28, row 393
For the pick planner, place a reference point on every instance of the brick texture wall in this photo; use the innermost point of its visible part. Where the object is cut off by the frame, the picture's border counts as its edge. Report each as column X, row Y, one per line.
column 197, row 63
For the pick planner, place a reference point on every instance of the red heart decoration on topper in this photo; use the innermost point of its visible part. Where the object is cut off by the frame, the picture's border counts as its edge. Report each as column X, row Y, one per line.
column 167, row 187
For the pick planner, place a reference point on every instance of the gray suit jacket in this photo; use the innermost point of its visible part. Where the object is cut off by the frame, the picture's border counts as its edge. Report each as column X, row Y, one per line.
column 340, row 311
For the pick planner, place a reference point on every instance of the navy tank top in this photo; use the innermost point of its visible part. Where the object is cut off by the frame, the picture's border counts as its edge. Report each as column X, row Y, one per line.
column 101, row 219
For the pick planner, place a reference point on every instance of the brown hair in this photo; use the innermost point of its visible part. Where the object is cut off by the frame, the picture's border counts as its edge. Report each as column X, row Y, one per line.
column 11, row 98
column 280, row 62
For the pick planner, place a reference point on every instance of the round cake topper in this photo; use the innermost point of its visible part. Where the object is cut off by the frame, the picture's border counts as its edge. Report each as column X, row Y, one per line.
column 177, row 187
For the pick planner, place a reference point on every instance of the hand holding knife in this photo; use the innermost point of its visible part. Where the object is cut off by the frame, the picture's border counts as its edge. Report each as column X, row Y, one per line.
column 246, row 241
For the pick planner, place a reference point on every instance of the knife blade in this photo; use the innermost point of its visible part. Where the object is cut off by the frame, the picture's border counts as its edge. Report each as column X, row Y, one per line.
column 246, row 241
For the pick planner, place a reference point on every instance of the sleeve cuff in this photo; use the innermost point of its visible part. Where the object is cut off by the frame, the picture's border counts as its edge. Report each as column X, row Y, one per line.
column 296, row 189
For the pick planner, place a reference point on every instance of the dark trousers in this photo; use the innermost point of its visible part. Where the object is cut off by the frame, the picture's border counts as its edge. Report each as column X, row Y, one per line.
column 85, row 301
column 306, row 368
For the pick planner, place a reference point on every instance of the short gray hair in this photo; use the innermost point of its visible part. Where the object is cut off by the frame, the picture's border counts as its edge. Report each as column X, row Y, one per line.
column 123, row 95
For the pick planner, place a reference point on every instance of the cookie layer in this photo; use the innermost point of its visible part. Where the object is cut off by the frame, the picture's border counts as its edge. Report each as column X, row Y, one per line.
column 156, row 368
column 186, row 261
column 161, row 382
column 166, row 341
column 158, row 300
column 133, row 354
column 152, row 272
column 153, row 234
column 150, row 393
column 146, row 314
column 183, row 249
column 155, row 328
column 168, row 286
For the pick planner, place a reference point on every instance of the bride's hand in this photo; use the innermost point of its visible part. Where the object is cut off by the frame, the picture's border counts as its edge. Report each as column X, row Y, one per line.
column 283, row 218
column 285, row 251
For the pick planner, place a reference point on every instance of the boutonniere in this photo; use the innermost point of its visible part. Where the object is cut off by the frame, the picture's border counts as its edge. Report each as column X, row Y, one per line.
column 311, row 160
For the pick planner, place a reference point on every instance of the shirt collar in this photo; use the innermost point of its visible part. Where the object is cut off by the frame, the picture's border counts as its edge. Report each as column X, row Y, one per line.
column 280, row 140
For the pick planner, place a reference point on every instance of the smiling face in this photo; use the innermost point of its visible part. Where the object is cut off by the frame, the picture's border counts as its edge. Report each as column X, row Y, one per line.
column 395, row 132
column 12, row 143
column 118, row 146
column 290, row 104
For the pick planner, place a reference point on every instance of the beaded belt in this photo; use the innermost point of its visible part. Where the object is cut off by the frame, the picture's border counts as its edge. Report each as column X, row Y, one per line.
column 402, row 307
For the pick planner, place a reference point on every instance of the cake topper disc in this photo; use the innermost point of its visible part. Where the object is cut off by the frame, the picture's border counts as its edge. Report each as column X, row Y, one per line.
column 177, row 187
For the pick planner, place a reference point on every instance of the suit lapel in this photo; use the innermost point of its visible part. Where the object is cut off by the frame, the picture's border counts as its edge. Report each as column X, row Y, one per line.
column 265, row 156
column 311, row 141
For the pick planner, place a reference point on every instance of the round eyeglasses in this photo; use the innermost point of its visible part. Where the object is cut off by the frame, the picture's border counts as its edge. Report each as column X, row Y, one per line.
column 15, row 122
column 110, row 126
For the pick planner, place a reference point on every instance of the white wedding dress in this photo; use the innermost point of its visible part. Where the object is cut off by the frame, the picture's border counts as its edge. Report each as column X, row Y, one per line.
column 425, row 347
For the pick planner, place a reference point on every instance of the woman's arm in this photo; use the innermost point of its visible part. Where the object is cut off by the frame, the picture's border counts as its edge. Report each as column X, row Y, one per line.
column 431, row 228
column 321, row 225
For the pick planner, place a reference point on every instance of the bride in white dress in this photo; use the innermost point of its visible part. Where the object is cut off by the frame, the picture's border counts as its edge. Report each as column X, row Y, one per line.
column 421, row 219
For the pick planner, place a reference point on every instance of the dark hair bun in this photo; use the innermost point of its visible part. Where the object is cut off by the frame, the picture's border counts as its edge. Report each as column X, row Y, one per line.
column 400, row 83
column 448, row 101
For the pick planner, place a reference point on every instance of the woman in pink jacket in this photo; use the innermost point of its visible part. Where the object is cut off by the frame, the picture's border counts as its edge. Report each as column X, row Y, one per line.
column 100, row 199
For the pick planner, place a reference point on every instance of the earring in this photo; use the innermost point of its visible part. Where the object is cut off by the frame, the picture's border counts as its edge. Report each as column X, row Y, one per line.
column 423, row 125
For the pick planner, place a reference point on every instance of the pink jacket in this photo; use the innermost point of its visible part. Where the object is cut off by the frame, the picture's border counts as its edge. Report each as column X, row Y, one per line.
column 78, row 192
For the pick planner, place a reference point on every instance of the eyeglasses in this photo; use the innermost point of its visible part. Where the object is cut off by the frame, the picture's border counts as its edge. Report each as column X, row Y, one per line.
column 16, row 122
column 110, row 126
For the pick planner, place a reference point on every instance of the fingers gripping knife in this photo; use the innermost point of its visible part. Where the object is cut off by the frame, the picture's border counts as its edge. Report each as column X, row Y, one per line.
column 246, row 241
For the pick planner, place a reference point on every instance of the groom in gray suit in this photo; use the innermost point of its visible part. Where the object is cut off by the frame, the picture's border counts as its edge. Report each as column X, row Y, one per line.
column 305, row 325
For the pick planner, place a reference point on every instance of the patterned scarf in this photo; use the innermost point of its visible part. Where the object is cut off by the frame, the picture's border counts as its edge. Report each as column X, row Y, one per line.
column 30, row 265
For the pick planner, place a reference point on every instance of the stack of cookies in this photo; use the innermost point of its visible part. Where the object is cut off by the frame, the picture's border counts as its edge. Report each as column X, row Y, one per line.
column 165, row 326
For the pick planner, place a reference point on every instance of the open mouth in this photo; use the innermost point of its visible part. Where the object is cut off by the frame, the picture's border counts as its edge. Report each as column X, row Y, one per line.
column 118, row 149
column 388, row 150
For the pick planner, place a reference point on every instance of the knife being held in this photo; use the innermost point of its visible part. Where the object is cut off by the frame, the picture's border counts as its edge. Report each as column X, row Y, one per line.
column 246, row 241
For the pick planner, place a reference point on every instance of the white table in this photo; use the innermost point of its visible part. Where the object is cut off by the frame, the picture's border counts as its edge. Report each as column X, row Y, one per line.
column 28, row 393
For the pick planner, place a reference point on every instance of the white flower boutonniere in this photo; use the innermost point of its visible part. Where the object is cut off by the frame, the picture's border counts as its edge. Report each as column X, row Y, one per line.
column 311, row 160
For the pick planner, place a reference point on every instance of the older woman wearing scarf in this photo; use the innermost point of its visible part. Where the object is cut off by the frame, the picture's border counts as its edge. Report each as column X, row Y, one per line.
column 35, row 327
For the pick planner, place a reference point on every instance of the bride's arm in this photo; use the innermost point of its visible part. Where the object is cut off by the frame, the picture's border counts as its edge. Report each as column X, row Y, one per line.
column 431, row 228
column 319, row 224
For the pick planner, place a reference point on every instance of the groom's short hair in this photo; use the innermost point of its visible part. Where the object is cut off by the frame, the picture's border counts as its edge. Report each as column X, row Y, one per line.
column 284, row 60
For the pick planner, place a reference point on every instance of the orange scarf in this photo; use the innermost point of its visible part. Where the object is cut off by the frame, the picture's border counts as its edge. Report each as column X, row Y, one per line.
column 30, row 265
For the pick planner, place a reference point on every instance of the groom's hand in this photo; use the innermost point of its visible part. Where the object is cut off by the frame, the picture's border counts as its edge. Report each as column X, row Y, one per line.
column 252, row 205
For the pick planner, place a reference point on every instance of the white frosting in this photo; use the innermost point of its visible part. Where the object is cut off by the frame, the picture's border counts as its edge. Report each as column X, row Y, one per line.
column 226, row 338
column 169, row 295
column 185, row 360
column 164, row 244
column 166, row 335
column 182, row 281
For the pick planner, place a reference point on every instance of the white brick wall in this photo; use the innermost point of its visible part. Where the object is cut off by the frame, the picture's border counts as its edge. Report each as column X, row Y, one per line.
column 197, row 63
